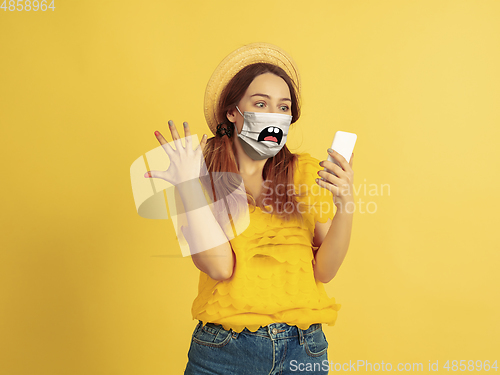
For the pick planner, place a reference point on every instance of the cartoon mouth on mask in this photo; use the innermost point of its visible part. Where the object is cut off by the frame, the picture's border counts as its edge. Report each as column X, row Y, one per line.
column 271, row 133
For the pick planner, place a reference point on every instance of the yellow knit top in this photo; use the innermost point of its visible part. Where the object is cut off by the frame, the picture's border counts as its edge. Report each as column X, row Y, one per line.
column 273, row 280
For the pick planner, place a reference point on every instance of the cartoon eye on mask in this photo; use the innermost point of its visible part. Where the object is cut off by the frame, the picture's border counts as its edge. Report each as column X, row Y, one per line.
column 271, row 133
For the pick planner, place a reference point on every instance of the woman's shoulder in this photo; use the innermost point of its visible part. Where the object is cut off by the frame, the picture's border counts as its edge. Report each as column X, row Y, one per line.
column 305, row 158
column 306, row 167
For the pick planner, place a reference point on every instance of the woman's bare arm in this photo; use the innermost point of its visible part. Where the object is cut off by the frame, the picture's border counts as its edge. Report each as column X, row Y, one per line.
column 333, row 249
column 210, row 250
column 335, row 243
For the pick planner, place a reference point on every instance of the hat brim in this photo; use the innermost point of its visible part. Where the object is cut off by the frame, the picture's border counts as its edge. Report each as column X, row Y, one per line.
column 233, row 63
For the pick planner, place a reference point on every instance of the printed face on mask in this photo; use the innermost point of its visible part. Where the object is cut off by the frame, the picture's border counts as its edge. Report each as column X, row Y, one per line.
column 263, row 116
column 263, row 134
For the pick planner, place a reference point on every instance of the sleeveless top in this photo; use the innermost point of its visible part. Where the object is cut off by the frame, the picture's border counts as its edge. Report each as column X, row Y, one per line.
column 273, row 280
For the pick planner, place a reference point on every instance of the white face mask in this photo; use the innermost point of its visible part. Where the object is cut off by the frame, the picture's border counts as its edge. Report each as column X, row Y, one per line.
column 263, row 134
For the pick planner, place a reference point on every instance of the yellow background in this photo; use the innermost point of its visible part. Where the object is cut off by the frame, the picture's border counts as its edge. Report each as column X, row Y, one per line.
column 89, row 287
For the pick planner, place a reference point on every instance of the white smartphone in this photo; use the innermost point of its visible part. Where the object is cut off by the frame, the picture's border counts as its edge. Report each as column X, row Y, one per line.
column 343, row 143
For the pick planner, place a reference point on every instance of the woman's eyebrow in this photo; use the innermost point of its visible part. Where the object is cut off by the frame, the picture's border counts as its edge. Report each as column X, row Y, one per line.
column 267, row 96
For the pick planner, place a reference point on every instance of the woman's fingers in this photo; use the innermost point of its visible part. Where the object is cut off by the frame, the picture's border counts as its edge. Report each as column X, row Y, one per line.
column 155, row 174
column 203, row 143
column 335, row 169
column 168, row 149
column 343, row 163
column 329, row 177
column 187, row 135
column 175, row 135
column 182, row 159
column 160, row 137
column 328, row 186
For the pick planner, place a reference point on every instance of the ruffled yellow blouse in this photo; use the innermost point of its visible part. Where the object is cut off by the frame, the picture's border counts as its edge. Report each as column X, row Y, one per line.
column 273, row 280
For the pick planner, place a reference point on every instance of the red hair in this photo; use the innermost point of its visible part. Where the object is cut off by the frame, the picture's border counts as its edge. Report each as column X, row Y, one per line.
column 220, row 152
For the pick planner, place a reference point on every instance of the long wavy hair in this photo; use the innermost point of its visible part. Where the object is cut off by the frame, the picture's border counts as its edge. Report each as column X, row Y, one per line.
column 220, row 151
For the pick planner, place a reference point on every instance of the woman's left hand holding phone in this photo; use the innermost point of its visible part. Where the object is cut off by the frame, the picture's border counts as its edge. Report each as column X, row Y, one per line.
column 339, row 183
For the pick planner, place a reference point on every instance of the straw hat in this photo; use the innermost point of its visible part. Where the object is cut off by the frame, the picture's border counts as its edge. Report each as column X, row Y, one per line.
column 237, row 60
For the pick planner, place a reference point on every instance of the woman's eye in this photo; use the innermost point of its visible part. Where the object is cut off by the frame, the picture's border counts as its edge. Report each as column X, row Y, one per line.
column 261, row 105
column 284, row 108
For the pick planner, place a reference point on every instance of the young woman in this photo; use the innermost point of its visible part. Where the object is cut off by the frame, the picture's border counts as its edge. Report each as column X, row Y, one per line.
column 261, row 300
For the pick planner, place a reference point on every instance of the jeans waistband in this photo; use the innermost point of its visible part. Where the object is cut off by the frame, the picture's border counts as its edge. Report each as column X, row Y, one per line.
column 274, row 330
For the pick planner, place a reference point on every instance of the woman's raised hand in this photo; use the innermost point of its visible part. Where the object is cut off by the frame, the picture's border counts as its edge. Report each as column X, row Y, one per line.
column 185, row 163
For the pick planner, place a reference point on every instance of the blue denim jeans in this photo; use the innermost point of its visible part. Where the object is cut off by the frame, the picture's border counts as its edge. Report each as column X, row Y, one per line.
column 274, row 349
